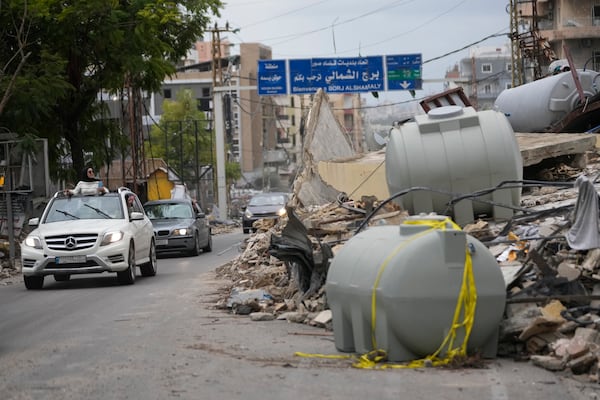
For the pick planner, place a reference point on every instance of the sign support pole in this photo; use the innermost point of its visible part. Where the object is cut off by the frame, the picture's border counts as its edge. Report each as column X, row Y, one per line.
column 220, row 144
column 220, row 148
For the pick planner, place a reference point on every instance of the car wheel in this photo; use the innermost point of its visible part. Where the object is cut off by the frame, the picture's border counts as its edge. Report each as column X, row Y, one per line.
column 196, row 250
column 246, row 230
column 62, row 278
column 208, row 247
column 149, row 269
column 127, row 277
column 33, row 282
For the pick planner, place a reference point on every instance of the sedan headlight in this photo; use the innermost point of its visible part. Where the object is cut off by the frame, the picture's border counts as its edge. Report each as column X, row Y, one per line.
column 181, row 232
column 33, row 241
column 248, row 213
column 281, row 212
column 111, row 237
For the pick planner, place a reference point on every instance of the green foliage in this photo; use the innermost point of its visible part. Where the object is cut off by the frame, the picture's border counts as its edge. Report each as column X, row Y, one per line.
column 182, row 137
column 77, row 49
column 233, row 172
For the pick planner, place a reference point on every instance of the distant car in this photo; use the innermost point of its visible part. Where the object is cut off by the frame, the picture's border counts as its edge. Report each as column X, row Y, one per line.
column 180, row 226
column 263, row 206
column 89, row 234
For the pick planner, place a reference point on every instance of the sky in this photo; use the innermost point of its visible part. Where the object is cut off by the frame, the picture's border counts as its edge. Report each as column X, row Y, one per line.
column 350, row 28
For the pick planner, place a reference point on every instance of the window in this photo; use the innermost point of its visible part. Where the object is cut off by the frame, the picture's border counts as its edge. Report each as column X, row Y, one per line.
column 348, row 122
column 596, row 15
column 508, row 67
column 487, row 89
column 167, row 93
column 486, row 68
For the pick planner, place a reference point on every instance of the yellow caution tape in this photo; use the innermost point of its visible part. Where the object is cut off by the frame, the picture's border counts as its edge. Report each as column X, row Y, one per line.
column 465, row 306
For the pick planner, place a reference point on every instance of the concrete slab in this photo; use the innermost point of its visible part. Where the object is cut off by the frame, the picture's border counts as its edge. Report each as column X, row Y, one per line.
column 536, row 147
column 364, row 175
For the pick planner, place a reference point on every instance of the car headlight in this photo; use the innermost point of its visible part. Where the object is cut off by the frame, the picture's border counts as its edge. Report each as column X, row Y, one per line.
column 33, row 241
column 181, row 232
column 248, row 213
column 281, row 212
column 111, row 237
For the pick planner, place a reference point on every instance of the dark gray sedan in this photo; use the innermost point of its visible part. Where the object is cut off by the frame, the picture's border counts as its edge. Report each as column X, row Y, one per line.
column 263, row 206
column 180, row 226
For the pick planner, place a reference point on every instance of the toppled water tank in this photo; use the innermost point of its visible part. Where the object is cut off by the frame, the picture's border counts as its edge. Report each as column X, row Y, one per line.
column 459, row 151
column 419, row 271
column 537, row 105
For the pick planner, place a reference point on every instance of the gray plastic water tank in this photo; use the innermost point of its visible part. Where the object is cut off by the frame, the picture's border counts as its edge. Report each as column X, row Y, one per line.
column 417, row 292
column 535, row 106
column 457, row 150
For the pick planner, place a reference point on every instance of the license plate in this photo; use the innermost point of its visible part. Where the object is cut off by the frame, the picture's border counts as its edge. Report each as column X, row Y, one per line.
column 70, row 260
column 162, row 242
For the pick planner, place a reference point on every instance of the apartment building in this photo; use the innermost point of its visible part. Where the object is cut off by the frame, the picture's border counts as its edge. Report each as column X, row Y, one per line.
column 548, row 29
column 264, row 133
column 250, row 132
column 482, row 75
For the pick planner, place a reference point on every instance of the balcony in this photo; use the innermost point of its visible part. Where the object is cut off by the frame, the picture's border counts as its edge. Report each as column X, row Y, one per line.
column 572, row 28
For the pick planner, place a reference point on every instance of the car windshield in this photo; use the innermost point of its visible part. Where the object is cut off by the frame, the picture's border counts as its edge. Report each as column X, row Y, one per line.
column 168, row 210
column 271, row 200
column 85, row 207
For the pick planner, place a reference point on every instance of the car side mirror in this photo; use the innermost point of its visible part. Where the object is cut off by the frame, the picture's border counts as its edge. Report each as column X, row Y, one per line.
column 34, row 222
column 136, row 216
column 200, row 215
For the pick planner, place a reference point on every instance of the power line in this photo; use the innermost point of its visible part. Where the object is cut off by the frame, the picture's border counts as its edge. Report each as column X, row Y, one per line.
column 293, row 36
column 283, row 14
column 493, row 35
column 290, row 37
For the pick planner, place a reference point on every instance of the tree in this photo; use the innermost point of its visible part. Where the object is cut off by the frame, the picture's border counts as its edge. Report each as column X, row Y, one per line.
column 16, row 55
column 183, row 138
column 82, row 48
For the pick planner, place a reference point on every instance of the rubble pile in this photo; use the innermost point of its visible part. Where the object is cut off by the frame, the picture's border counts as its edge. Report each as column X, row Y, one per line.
column 256, row 268
column 552, row 314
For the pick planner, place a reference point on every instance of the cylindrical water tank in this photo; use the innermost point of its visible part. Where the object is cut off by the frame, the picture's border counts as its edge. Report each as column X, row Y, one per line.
column 420, row 276
column 537, row 105
column 459, row 151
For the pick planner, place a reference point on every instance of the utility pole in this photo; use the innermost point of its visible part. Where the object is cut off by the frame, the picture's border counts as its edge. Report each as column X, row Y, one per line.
column 515, row 48
column 217, row 71
column 131, row 110
column 527, row 43
column 217, row 115
column 219, row 124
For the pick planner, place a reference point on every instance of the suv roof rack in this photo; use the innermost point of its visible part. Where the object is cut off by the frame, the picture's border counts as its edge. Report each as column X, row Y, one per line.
column 123, row 189
column 61, row 193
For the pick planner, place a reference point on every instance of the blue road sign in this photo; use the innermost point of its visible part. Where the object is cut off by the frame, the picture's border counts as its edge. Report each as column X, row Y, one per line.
column 272, row 76
column 404, row 71
column 340, row 75
column 337, row 75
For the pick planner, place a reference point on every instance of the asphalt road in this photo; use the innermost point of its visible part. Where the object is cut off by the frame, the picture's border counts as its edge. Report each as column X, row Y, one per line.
column 162, row 338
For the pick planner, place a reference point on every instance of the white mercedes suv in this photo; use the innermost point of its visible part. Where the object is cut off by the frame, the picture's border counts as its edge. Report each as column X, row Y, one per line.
column 89, row 234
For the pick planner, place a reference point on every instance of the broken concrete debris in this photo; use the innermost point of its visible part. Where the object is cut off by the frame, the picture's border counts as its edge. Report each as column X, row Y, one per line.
column 552, row 315
column 552, row 288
